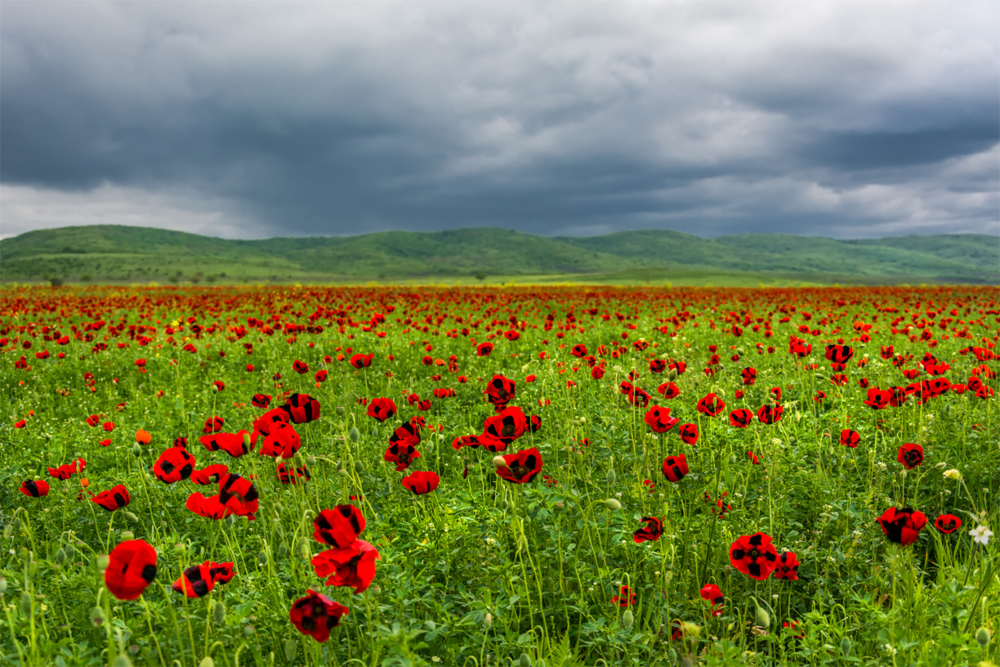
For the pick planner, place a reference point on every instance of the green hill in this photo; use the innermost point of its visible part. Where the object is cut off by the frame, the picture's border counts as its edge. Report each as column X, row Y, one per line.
column 135, row 254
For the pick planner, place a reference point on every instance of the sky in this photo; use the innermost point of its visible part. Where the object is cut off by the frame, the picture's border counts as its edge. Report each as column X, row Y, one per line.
column 840, row 118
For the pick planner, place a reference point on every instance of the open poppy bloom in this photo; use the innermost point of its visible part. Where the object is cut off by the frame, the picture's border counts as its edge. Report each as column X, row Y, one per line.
column 902, row 526
column 839, row 354
column 234, row 444
column 315, row 614
column 381, row 409
column 270, row 420
column 238, row 495
column 362, row 360
column 260, row 401
column 669, row 390
column 659, row 419
column 115, row 498
column 741, row 418
column 67, row 470
column 910, row 455
column 770, row 413
column 213, row 425
column 131, row 567
column 788, row 567
column 402, row 454
column 300, row 366
column 754, row 555
column 500, row 390
column 340, row 526
column 625, row 597
column 711, row 405
column 210, row 474
column 748, row 375
column 353, row 565
column 283, row 441
column 484, row 349
column 422, row 482
column 505, row 427
column 689, row 433
column 173, row 465
column 878, row 398
column 198, row 581
column 713, row 594
column 675, row 467
column 850, row 438
column 521, row 467
column 34, row 488
column 301, row 408
column 407, row 433
column 208, row 507
column 947, row 523
column 650, row 532
column 288, row 473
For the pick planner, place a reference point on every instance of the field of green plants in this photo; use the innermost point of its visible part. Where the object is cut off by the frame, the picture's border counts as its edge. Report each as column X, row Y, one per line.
column 519, row 477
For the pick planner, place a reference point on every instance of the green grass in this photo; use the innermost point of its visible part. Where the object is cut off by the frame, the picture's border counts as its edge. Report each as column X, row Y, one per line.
column 482, row 571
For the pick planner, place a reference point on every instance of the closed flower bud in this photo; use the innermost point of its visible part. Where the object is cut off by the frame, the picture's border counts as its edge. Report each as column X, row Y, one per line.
column 246, row 440
column 763, row 618
column 845, row 646
column 499, row 461
column 524, row 660
column 299, row 459
column 282, row 550
column 291, row 649
column 3, row 586
column 262, row 557
column 578, row 458
column 131, row 518
column 32, row 568
column 97, row 616
column 26, row 603
column 953, row 474
column 354, row 434
column 16, row 524
column 249, row 630
column 672, row 374
column 342, row 472
column 8, row 531
column 219, row 613
column 136, row 450
column 304, row 550
column 612, row 504
column 230, row 520
column 207, row 662
column 611, row 477
column 627, row 619
column 983, row 637
column 60, row 555
column 358, row 467
column 488, row 621
column 70, row 551
column 122, row 661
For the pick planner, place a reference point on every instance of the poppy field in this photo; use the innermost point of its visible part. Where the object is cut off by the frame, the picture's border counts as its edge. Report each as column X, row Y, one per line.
column 524, row 476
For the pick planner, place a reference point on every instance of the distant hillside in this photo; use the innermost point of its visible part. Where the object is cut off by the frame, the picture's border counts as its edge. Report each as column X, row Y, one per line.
column 136, row 254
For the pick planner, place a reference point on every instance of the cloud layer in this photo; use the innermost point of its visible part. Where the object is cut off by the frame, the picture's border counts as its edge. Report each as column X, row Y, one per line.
column 259, row 119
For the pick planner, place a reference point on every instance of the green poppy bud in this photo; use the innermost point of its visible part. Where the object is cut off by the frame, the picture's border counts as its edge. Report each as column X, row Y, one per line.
column 3, row 586
column 16, row 524
column 672, row 374
column 122, row 661
column 612, row 504
column 219, row 613
column 627, row 619
column 180, row 549
column 299, row 459
column 8, row 531
column 230, row 520
column 60, row 555
column 26, row 603
column 304, row 550
column 983, row 637
column 131, row 518
column 354, row 434
column 282, row 550
column 578, row 458
column 102, row 562
column 70, row 551
column 524, row 661
column 499, row 461
column 612, row 477
column 97, row 616
column 358, row 467
column 763, row 618
column 291, row 649
column 136, row 450
column 246, row 440
column 207, row 662
column 845, row 646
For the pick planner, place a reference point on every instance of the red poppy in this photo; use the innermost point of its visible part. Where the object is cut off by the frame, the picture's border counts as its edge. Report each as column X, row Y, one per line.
column 713, row 594
column 208, row 507
column 902, row 526
column 504, row 428
column 711, row 405
column 210, row 474
column 947, row 523
column 675, row 467
column 402, row 454
column 878, row 399
column 754, row 555
column 408, row 432
column 770, row 413
column 421, row 482
column 173, row 465
column 839, row 354
column 109, row 426
column 754, row 459
column 579, row 350
column 381, row 409
column 283, row 441
column 213, row 425
column 198, row 581
column 793, row 626
column 689, row 433
column 301, row 408
column 625, row 597
column 93, row 420
column 669, row 390
column 521, row 467
column 659, row 419
column 741, row 418
column 115, row 498
column 34, row 488
column 910, row 455
column 131, row 567
column 749, row 375
column 353, row 565
column 315, row 614
column 484, row 349
column 238, row 495
column 788, row 567
column 260, row 401
column 288, row 473
column 362, row 360
column 500, row 390
column 850, row 438
column 657, row 365
column 340, row 526
column 300, row 367
column 67, row 470
column 234, row 444
column 650, row 532
column 218, row 385
column 269, row 420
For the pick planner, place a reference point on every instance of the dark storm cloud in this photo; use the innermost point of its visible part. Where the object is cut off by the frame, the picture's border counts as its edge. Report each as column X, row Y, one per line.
column 249, row 120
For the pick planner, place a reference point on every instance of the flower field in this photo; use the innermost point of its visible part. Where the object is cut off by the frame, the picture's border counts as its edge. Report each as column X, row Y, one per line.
column 527, row 476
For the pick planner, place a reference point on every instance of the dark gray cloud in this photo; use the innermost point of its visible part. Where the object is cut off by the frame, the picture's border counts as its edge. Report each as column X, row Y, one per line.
column 261, row 119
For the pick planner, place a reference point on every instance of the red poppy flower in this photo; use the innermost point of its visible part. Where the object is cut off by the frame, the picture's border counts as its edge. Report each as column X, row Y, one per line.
column 260, row 401
column 910, row 455
column 625, row 597
column 839, row 354
column 288, row 473
column 421, row 482
column 505, row 427
column 713, row 594
column 650, row 532
column 210, row 474
column 301, row 408
column 748, row 375
column 902, row 526
column 500, row 390
column 788, row 567
column 522, row 467
column 340, row 526
column 484, row 349
column 67, row 470
column 114, row 499
column 213, row 425
column 850, row 438
column 283, row 441
column 444, row 392
column 315, row 614
column 208, row 507
column 198, row 581
column 270, row 419
column 408, row 432
column 381, row 409
column 131, row 567
column 659, row 419
column 218, row 385
column 770, row 413
column 579, row 350
column 754, row 555
column 353, row 565
column 711, row 405
column 947, row 523
column 362, row 360
column 669, row 390
column 741, row 418
column 173, row 465
column 754, row 459
column 234, row 444
column 689, row 433
column 109, row 426
column 793, row 626
column 34, row 488
column 878, row 398
column 238, row 495
column 657, row 365
column 300, row 367
column 675, row 467
column 93, row 420
column 402, row 454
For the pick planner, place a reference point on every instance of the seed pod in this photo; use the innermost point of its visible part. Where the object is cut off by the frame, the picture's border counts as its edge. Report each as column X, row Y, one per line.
column 219, row 613
column 97, row 616
column 845, row 646
column 983, row 637
column 101, row 562
column 612, row 477
column 340, row 410
column 122, row 661
column 342, row 472
column 291, row 649
column 26, row 603
column 627, row 619
column 207, row 662
column 354, row 434
column 60, row 555
column 612, row 504
column 127, row 535
column 131, row 518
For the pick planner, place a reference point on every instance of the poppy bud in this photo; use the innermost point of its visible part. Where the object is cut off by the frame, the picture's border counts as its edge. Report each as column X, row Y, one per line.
column 983, row 637
column 16, row 524
column 763, row 618
column 612, row 504
column 26, row 603
column 524, row 660
column 230, row 520
column 578, row 458
column 303, row 547
column 136, row 450
column 627, row 619
column 298, row 459
column 60, row 555
column 32, row 568
column 342, row 472
column 690, row 629
column 131, row 518
column 70, row 551
column 179, row 549
column 499, row 461
column 127, row 535
column 262, row 557
column 611, row 477
column 312, row 460
column 953, row 474
column 672, row 656
column 219, row 613
column 291, row 648
column 672, row 374
column 845, row 646
column 207, row 662
column 358, row 467
column 354, row 434
column 122, row 661
column 246, row 440
column 102, row 562
column 340, row 409
column 282, row 550
column 97, row 616
column 488, row 621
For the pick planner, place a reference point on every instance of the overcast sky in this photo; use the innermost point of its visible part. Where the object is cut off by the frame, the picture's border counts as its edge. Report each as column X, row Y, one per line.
column 250, row 120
